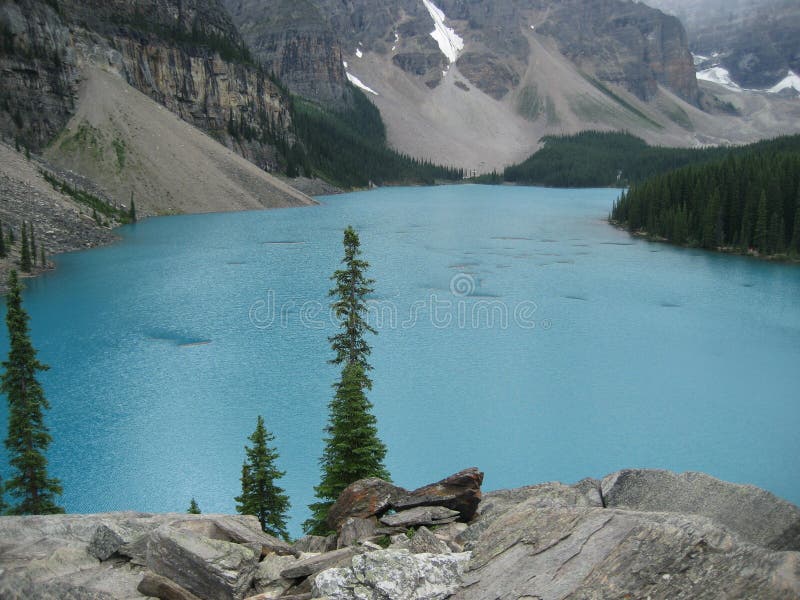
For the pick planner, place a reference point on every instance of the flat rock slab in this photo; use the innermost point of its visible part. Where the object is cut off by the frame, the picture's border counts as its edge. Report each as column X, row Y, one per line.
column 395, row 574
column 422, row 515
column 206, row 567
column 318, row 563
column 460, row 492
column 579, row 552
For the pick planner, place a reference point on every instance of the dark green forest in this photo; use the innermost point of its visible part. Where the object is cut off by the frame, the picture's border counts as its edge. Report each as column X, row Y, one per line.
column 607, row 159
column 348, row 148
column 748, row 201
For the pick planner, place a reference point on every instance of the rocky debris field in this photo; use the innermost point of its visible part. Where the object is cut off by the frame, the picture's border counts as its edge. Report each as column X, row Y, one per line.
column 60, row 223
column 633, row 534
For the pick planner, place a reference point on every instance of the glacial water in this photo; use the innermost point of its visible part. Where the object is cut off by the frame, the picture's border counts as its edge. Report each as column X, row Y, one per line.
column 518, row 333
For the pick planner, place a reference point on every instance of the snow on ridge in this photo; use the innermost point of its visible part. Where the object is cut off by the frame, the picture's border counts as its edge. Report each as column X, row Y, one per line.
column 359, row 53
column 720, row 76
column 359, row 84
column 791, row 81
column 450, row 43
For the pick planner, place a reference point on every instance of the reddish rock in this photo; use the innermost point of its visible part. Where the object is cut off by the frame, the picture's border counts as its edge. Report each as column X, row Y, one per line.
column 460, row 492
column 365, row 498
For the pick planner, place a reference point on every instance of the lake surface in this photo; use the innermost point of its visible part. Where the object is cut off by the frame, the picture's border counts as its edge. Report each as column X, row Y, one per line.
column 518, row 333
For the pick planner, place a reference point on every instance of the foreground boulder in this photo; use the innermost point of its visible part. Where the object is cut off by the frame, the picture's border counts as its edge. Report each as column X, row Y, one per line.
column 422, row 515
column 371, row 497
column 757, row 515
column 395, row 575
column 205, row 567
column 460, row 492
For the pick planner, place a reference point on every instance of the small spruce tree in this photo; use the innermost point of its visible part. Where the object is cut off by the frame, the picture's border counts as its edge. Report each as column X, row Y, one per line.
column 25, row 251
column 261, row 496
column 194, row 509
column 3, row 249
column 761, row 237
column 795, row 242
column 10, row 235
column 28, row 438
column 42, row 257
column 3, row 506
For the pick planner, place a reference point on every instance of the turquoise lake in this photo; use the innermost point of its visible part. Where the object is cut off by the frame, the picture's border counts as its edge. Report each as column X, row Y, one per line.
column 519, row 333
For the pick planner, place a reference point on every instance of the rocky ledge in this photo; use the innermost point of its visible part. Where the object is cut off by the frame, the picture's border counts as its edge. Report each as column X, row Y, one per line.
column 633, row 534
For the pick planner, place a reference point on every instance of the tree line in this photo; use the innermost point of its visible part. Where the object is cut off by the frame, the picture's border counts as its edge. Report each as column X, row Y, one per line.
column 617, row 159
column 352, row 450
column 747, row 202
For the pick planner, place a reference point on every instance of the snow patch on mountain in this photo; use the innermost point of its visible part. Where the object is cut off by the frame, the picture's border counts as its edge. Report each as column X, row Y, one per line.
column 359, row 84
column 791, row 81
column 450, row 43
column 359, row 54
column 720, row 76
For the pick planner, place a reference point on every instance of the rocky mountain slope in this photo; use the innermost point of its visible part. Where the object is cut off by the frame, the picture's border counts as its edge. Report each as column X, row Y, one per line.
column 476, row 85
column 758, row 41
column 633, row 534
column 186, row 56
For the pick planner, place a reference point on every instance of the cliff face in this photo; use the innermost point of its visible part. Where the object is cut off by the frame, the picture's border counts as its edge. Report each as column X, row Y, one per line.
column 622, row 43
column 187, row 56
column 758, row 40
column 627, row 44
column 298, row 45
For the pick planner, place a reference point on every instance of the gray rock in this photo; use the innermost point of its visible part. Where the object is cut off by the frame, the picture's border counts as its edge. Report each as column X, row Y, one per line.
column 757, row 515
column 315, row 543
column 579, row 552
column 268, row 580
column 208, row 568
column 394, row 574
column 315, row 564
column 422, row 515
column 163, row 588
column 355, row 530
column 425, row 542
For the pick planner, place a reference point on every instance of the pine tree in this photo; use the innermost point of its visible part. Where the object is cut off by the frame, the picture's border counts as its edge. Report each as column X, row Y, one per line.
column 10, row 235
column 3, row 505
column 28, row 437
column 353, row 450
column 25, row 251
column 260, row 494
column 761, row 237
column 132, row 211
column 3, row 249
column 795, row 244
column 193, row 508
column 42, row 257
column 33, row 245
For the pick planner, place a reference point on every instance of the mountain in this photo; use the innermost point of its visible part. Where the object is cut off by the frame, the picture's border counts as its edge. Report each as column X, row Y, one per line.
column 757, row 41
column 476, row 85
column 186, row 56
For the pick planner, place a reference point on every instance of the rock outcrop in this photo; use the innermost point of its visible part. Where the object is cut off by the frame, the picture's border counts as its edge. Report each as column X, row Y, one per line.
column 633, row 534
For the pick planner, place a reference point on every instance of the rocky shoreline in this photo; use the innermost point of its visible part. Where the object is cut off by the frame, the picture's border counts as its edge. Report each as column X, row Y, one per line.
column 633, row 534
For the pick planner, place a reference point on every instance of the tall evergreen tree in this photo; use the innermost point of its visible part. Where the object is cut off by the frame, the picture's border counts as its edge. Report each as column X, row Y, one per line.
column 3, row 249
column 25, row 251
column 194, row 509
column 33, row 246
column 795, row 242
column 761, row 238
column 42, row 257
column 28, row 438
column 132, row 211
column 2, row 498
column 353, row 450
column 261, row 496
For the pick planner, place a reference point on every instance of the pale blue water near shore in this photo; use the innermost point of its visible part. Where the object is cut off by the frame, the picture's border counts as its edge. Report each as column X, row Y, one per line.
column 616, row 352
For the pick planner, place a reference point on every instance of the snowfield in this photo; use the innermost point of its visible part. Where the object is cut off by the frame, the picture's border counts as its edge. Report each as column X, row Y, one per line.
column 450, row 43
column 791, row 81
column 359, row 84
column 720, row 76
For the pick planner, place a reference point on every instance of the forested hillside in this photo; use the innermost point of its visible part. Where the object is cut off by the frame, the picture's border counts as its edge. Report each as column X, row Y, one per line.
column 747, row 202
column 605, row 159
column 348, row 148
